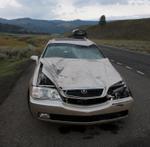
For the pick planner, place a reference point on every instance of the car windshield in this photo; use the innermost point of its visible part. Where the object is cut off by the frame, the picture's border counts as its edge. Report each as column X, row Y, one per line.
column 73, row 51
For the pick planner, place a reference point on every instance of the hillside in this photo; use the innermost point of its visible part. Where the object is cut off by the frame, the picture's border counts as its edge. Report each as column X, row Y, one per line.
column 46, row 26
column 126, row 29
column 7, row 28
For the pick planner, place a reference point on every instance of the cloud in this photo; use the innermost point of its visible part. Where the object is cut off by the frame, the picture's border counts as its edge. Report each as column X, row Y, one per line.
column 73, row 9
column 10, row 3
column 38, row 3
column 139, row 2
column 40, row 9
column 116, row 11
column 81, row 3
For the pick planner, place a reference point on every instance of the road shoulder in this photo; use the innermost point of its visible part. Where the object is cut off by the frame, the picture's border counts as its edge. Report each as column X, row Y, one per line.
column 8, row 82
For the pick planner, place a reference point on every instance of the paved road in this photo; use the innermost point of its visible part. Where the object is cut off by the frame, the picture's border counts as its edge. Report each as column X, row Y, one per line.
column 19, row 129
column 131, row 60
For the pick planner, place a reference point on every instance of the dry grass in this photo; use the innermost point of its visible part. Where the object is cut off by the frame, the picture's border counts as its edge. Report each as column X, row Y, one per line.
column 21, row 46
column 15, row 49
column 122, row 30
column 125, row 34
column 13, row 42
column 135, row 45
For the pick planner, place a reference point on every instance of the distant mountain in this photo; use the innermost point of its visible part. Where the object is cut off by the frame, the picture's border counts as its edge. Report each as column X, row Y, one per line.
column 46, row 26
column 12, row 28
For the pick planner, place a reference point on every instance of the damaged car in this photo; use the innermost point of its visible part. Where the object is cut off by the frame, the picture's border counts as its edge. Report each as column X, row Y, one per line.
column 74, row 82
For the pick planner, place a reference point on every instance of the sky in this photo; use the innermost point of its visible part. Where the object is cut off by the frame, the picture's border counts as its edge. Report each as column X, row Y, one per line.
column 74, row 9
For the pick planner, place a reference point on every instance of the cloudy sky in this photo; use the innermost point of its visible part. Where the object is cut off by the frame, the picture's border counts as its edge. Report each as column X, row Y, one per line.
column 74, row 9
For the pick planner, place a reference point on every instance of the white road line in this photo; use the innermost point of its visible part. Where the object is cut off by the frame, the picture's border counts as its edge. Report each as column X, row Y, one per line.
column 140, row 72
column 128, row 67
column 119, row 63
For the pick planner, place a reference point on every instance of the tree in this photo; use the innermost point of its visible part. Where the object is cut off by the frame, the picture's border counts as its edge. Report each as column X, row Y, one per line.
column 102, row 20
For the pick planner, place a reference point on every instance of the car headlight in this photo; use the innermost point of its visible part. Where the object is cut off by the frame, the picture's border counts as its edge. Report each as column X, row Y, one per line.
column 43, row 93
column 119, row 90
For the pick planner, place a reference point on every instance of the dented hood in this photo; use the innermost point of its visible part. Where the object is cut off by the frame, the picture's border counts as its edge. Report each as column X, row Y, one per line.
column 80, row 73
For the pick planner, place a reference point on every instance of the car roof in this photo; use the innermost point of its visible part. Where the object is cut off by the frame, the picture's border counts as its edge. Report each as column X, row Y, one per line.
column 83, row 42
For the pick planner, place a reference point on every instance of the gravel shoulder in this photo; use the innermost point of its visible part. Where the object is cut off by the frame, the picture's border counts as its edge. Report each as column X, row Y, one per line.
column 8, row 81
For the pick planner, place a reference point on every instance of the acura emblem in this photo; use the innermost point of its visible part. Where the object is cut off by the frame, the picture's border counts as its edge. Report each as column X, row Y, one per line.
column 84, row 91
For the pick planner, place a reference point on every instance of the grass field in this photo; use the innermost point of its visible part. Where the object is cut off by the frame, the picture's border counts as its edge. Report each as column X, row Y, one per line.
column 134, row 45
column 9, row 67
column 122, row 30
column 125, row 34
column 15, row 50
column 21, row 46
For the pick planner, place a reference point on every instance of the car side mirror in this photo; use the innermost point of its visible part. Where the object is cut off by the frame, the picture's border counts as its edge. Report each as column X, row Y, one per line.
column 35, row 58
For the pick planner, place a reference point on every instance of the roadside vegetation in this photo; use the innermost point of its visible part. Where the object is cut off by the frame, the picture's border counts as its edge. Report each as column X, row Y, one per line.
column 133, row 45
column 15, row 51
column 125, row 34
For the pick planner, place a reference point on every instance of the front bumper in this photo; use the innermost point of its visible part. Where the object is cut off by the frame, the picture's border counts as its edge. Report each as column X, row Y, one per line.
column 58, row 111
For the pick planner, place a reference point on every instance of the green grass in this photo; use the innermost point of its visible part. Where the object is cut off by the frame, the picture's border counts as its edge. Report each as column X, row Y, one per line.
column 16, row 48
column 10, row 72
column 134, row 45
column 10, row 67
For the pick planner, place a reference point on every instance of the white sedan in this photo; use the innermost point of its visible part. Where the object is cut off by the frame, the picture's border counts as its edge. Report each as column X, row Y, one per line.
column 74, row 82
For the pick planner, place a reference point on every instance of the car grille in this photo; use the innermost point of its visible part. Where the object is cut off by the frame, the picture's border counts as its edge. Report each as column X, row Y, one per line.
column 85, row 102
column 84, row 93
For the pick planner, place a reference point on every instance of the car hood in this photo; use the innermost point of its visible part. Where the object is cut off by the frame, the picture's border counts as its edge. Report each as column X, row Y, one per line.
column 80, row 73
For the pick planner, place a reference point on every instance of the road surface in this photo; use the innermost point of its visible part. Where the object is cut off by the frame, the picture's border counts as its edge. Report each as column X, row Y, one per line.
column 19, row 129
column 131, row 60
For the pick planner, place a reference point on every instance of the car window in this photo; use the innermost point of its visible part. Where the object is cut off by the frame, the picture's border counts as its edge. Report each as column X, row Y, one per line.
column 73, row 51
